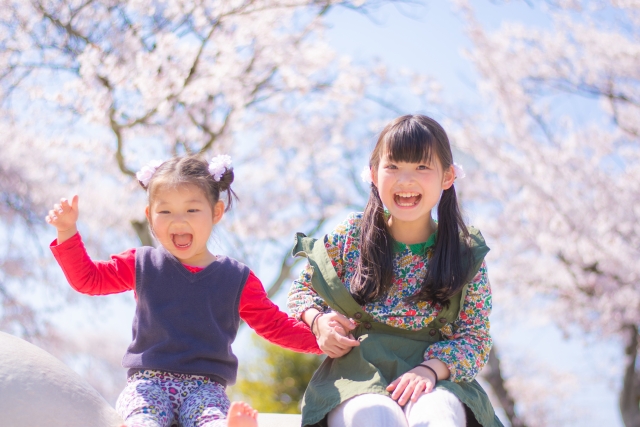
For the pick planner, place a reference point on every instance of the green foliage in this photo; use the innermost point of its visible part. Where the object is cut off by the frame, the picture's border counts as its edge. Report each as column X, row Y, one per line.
column 276, row 380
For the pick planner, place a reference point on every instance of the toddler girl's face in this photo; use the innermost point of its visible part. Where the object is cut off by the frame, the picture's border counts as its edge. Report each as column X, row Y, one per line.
column 182, row 220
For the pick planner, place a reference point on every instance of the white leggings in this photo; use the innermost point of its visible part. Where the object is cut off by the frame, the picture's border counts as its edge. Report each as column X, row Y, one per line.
column 440, row 408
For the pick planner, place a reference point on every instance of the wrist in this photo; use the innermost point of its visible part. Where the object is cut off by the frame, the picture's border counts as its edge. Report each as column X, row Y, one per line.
column 308, row 314
column 66, row 234
column 432, row 371
column 314, row 323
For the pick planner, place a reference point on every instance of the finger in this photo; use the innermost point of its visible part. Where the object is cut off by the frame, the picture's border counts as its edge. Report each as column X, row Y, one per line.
column 52, row 216
column 393, row 384
column 74, row 202
column 346, row 342
column 346, row 323
column 429, row 386
column 402, row 385
column 418, row 390
column 408, row 391
column 57, row 208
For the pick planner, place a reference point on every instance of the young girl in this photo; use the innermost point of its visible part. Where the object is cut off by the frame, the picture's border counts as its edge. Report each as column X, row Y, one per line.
column 413, row 292
column 188, row 301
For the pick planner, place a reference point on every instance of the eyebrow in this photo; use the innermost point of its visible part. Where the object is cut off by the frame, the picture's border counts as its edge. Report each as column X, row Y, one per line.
column 162, row 202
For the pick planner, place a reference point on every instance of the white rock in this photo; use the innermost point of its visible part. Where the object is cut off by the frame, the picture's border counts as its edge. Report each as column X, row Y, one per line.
column 279, row 420
column 38, row 390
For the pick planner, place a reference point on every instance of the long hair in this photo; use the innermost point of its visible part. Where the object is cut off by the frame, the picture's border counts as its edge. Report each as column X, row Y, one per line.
column 413, row 139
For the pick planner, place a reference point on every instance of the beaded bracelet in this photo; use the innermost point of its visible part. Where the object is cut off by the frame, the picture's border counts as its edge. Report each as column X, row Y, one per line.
column 314, row 321
column 431, row 369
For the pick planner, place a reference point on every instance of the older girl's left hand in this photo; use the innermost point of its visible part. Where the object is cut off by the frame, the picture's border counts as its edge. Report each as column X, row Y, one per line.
column 412, row 384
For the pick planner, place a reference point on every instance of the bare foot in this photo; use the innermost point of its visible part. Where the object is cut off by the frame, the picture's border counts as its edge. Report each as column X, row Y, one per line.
column 242, row 415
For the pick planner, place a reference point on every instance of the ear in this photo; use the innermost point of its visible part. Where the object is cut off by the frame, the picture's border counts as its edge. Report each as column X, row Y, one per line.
column 146, row 213
column 448, row 177
column 218, row 211
column 374, row 176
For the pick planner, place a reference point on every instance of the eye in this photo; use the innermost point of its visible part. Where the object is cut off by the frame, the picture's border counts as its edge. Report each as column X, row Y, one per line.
column 390, row 166
column 164, row 212
column 193, row 210
column 423, row 167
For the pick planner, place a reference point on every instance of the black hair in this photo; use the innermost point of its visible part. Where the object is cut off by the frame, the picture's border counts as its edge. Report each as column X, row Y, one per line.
column 192, row 170
column 414, row 139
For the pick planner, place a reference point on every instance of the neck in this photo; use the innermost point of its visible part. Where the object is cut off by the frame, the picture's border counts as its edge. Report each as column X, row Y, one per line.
column 411, row 232
column 199, row 260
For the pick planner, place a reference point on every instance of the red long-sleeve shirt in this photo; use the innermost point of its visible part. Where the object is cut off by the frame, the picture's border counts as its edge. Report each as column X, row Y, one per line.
column 119, row 275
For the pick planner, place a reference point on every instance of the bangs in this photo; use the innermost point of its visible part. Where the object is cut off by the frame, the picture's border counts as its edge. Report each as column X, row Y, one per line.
column 409, row 142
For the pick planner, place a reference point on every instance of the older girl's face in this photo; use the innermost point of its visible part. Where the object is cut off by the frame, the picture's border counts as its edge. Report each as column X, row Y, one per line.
column 182, row 219
column 410, row 191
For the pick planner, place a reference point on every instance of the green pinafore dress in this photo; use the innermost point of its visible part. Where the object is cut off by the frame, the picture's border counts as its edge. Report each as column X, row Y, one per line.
column 385, row 352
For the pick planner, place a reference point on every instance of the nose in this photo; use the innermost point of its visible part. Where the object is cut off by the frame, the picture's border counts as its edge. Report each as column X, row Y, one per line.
column 405, row 176
column 178, row 217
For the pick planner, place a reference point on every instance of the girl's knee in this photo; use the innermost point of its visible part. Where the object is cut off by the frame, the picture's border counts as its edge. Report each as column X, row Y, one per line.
column 440, row 408
column 371, row 410
column 207, row 406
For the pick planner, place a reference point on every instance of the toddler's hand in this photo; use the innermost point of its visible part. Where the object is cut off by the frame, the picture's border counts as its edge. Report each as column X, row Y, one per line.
column 63, row 217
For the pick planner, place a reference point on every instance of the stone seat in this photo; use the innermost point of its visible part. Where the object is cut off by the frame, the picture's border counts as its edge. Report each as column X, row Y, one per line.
column 279, row 420
column 39, row 390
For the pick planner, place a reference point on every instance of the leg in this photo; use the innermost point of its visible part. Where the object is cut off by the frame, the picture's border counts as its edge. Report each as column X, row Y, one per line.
column 143, row 404
column 440, row 408
column 206, row 406
column 370, row 410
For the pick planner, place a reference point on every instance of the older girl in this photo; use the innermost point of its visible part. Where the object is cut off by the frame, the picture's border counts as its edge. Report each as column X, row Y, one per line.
column 416, row 289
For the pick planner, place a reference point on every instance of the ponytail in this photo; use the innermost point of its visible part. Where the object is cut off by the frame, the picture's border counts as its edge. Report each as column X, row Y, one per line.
column 225, row 185
column 451, row 255
column 374, row 273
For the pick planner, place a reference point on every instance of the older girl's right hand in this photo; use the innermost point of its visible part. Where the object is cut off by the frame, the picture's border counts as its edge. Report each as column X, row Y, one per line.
column 332, row 333
column 63, row 217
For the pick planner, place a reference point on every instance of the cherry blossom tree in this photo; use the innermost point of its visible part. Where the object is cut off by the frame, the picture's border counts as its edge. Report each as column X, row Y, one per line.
column 557, row 149
column 90, row 91
column 123, row 82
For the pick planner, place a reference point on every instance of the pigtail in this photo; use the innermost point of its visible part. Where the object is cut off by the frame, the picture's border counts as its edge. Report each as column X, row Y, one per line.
column 147, row 172
column 225, row 185
column 451, row 255
column 374, row 273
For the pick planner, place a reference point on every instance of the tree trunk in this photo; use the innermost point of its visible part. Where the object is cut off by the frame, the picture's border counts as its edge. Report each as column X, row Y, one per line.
column 143, row 231
column 493, row 376
column 630, row 393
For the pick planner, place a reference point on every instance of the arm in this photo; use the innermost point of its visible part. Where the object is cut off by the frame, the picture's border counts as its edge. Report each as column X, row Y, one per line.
column 83, row 274
column 339, row 244
column 302, row 296
column 462, row 355
column 263, row 316
column 304, row 302
column 466, row 350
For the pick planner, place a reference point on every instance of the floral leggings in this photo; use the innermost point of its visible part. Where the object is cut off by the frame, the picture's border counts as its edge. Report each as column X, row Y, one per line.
column 164, row 399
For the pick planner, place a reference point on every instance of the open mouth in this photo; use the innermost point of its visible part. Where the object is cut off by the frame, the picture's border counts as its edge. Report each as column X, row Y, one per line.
column 182, row 241
column 407, row 199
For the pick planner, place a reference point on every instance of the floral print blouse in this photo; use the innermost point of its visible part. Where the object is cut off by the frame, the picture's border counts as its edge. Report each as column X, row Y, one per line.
column 467, row 343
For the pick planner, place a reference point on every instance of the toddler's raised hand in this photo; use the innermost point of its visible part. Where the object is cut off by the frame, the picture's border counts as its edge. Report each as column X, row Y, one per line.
column 63, row 217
